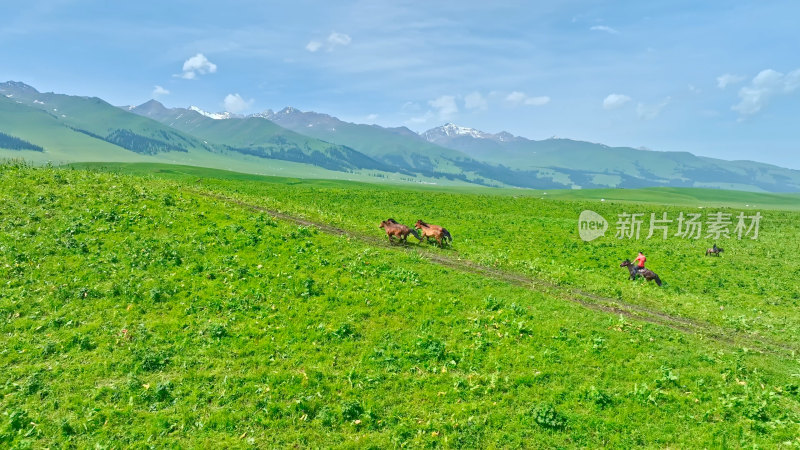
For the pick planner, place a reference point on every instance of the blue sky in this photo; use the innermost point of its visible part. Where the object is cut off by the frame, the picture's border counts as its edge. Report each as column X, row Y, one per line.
column 716, row 78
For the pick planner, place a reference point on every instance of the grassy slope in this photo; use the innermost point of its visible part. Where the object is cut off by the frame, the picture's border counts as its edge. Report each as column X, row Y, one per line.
column 61, row 144
column 139, row 312
column 538, row 237
column 663, row 196
column 97, row 116
column 685, row 197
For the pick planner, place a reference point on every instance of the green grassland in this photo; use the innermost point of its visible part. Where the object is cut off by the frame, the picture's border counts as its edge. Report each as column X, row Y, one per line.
column 538, row 237
column 686, row 197
column 151, row 310
column 657, row 195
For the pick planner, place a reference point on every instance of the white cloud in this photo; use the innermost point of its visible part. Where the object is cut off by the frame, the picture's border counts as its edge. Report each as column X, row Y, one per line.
column 334, row 40
column 235, row 103
column 313, row 46
column 648, row 112
column 766, row 85
column 159, row 91
column 372, row 118
column 197, row 65
column 694, row 89
column 604, row 28
column 476, row 101
column 519, row 98
column 537, row 101
column 338, row 39
column 516, row 97
column 614, row 101
column 726, row 80
column 445, row 106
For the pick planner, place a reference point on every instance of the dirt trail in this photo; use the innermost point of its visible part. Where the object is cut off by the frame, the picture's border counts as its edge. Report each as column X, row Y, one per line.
column 586, row 299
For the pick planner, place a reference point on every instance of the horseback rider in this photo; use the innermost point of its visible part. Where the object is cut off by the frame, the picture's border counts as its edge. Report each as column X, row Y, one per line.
column 640, row 261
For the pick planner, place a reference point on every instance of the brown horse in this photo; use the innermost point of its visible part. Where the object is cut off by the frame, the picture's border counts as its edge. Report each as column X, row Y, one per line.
column 398, row 230
column 434, row 231
column 636, row 272
column 714, row 250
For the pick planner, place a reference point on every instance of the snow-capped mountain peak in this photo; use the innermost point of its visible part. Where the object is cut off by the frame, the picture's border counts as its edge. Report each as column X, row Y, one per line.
column 215, row 116
column 272, row 115
column 505, row 136
column 450, row 130
column 268, row 114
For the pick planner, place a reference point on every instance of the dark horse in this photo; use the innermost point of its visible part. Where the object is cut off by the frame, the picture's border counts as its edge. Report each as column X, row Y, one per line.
column 635, row 272
column 398, row 230
column 434, row 231
column 714, row 250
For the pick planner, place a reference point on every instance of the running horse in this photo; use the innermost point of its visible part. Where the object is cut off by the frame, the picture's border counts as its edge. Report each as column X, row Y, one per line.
column 714, row 250
column 635, row 272
column 434, row 231
column 398, row 230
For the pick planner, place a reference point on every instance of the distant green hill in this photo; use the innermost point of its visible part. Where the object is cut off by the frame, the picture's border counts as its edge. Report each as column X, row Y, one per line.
column 99, row 120
column 592, row 165
column 548, row 164
column 364, row 148
column 399, row 147
column 405, row 149
column 59, row 142
column 259, row 137
column 60, row 128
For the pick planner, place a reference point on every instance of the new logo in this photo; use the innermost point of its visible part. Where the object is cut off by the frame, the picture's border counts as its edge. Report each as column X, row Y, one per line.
column 591, row 225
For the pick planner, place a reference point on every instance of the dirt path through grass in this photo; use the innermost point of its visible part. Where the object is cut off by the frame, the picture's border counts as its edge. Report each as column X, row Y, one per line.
column 588, row 300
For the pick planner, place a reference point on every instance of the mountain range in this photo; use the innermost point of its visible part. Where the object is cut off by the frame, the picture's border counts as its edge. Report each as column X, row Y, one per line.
column 62, row 128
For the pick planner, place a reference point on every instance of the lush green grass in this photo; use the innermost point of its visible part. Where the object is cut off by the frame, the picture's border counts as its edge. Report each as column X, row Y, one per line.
column 537, row 237
column 686, row 197
column 142, row 312
column 657, row 195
